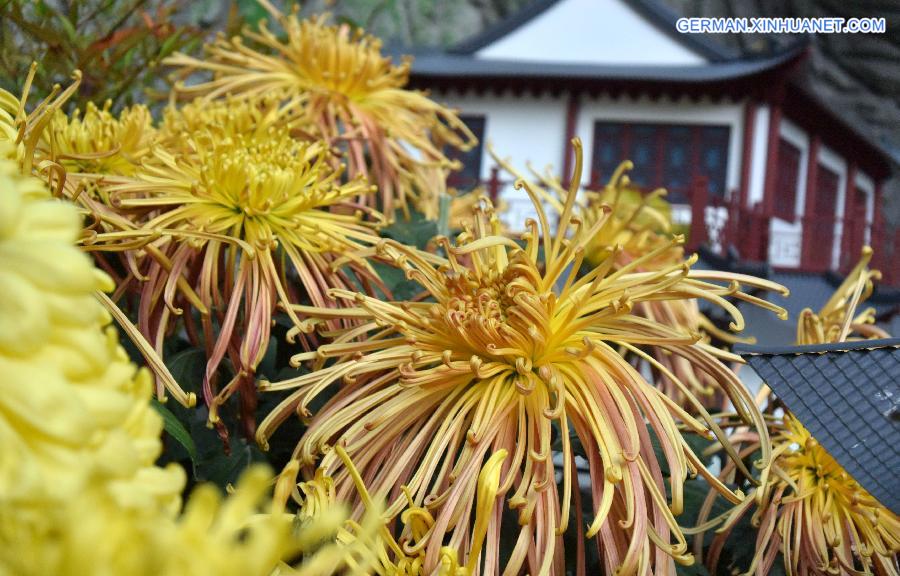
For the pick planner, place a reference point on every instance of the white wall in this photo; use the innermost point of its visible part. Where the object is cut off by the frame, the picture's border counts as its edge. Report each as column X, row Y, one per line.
column 759, row 156
column 522, row 128
column 591, row 32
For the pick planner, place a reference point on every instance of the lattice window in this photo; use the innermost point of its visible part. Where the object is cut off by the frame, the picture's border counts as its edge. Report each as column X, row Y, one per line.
column 670, row 156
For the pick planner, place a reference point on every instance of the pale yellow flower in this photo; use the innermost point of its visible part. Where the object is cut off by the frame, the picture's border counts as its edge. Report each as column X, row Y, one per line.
column 98, row 142
column 80, row 494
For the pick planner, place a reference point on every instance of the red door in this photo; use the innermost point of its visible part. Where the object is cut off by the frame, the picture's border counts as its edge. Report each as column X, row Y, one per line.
column 786, row 183
column 821, row 219
column 855, row 224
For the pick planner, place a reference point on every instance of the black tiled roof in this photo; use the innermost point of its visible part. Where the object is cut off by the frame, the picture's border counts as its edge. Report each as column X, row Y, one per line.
column 848, row 396
column 435, row 65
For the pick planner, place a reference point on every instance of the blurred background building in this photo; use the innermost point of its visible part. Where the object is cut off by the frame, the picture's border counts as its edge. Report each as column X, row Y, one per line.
column 754, row 160
column 779, row 153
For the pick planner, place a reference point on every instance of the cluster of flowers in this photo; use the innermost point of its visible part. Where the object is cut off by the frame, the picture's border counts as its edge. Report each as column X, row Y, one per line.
column 444, row 425
column 79, row 490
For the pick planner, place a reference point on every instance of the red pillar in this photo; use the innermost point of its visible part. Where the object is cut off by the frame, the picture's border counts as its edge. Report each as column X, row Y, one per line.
column 772, row 155
column 757, row 233
column 493, row 185
column 810, row 218
column 877, row 216
column 851, row 228
column 747, row 151
column 879, row 240
column 699, row 200
column 740, row 223
column 571, row 120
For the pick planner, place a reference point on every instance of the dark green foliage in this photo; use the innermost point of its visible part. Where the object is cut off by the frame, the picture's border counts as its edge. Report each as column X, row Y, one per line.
column 176, row 430
column 417, row 231
column 117, row 44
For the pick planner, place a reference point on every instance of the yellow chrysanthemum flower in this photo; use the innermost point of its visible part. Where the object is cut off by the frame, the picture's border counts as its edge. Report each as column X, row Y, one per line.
column 510, row 345
column 227, row 118
column 462, row 207
column 639, row 224
column 218, row 224
column 809, row 508
column 838, row 319
column 370, row 547
column 818, row 516
column 23, row 130
column 352, row 93
column 79, row 491
column 99, row 143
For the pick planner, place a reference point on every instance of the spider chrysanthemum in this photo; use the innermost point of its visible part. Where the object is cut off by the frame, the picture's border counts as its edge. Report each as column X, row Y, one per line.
column 640, row 224
column 508, row 346
column 222, row 224
column 351, row 92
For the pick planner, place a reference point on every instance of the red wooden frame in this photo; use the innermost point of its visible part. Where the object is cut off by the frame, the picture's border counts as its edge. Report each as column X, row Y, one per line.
column 572, row 108
column 784, row 201
column 807, row 244
column 774, row 138
column 747, row 150
column 820, row 219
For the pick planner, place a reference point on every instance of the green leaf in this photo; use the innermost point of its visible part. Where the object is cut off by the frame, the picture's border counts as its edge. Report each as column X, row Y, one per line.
column 69, row 29
column 345, row 19
column 443, row 223
column 223, row 469
column 129, row 56
column 396, row 281
column 252, row 11
column 169, row 45
column 417, row 231
column 176, row 429
column 187, row 367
